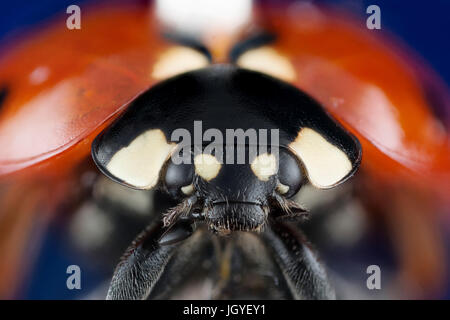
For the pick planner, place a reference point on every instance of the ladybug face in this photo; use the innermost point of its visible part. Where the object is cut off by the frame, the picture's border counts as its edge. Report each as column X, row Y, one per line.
column 232, row 196
column 241, row 196
column 238, row 141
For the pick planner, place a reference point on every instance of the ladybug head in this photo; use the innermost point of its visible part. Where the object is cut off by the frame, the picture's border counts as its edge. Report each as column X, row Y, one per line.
column 237, row 188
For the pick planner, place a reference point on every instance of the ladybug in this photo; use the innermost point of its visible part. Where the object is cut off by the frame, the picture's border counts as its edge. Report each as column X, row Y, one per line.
column 324, row 90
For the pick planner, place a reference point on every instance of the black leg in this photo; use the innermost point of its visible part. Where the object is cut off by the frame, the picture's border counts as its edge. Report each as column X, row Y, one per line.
column 304, row 275
column 187, row 267
column 143, row 263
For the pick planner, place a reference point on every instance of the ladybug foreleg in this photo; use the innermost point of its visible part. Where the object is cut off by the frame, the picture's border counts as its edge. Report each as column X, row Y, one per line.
column 144, row 261
column 303, row 273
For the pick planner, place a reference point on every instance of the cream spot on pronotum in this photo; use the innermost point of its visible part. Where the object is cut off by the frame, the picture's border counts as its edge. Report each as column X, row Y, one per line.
column 140, row 162
column 325, row 163
column 206, row 166
column 268, row 60
column 264, row 166
column 177, row 60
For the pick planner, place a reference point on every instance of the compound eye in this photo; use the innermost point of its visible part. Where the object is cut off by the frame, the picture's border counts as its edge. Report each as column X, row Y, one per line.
column 290, row 175
column 178, row 179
